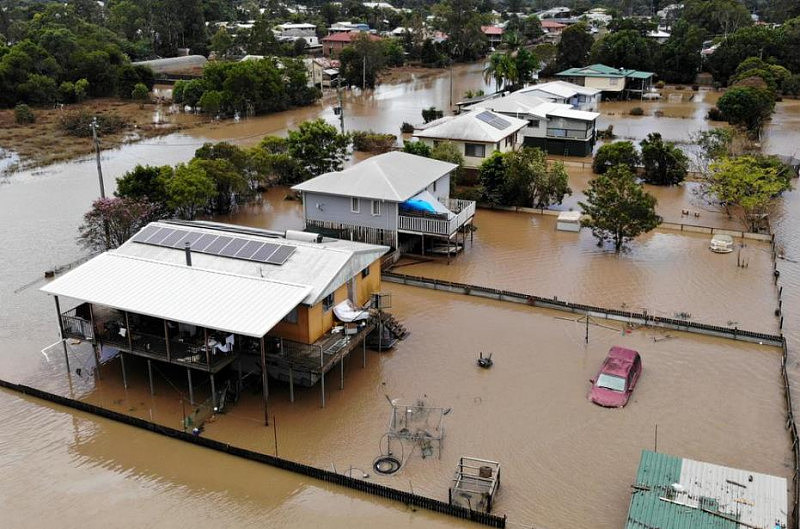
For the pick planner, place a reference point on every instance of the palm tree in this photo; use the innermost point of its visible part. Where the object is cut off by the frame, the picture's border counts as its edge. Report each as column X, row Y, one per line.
column 502, row 68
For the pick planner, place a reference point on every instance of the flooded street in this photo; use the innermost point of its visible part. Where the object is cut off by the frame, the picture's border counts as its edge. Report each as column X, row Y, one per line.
column 713, row 400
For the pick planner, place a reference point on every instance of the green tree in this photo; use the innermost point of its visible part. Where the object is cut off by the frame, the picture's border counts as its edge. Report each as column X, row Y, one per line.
column 680, row 57
column 754, row 41
column 574, row 47
column 617, row 153
column 500, row 67
column 747, row 106
column 112, row 221
column 318, row 148
column 221, row 43
column 462, row 22
column 81, row 89
column 140, row 93
column 417, row 147
column 718, row 17
column 211, row 102
column 189, row 190
column 749, row 186
column 362, row 61
column 618, row 208
column 492, row 173
column 144, row 183
column 626, row 49
column 447, row 151
column 664, row 163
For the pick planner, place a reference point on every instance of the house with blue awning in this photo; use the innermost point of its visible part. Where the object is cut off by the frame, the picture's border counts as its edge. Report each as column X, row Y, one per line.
column 394, row 199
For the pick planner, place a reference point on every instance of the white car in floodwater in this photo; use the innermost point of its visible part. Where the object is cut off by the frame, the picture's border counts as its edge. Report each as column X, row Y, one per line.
column 721, row 244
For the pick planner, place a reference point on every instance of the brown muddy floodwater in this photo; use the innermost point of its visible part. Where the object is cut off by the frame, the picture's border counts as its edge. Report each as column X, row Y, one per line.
column 565, row 462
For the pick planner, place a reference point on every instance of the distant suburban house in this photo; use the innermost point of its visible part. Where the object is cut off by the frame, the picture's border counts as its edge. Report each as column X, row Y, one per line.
column 617, row 82
column 347, row 27
column 494, row 34
column 294, row 32
column 675, row 493
column 580, row 97
column 477, row 134
column 659, row 35
column 387, row 199
column 554, row 127
column 551, row 27
column 333, row 44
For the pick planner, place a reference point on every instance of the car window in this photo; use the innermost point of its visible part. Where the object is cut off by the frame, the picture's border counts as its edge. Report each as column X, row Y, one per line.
column 611, row 382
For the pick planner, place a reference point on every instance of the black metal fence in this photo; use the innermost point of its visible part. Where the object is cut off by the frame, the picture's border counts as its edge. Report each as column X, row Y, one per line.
column 375, row 489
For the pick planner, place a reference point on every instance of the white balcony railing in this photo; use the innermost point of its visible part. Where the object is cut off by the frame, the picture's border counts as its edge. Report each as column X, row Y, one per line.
column 463, row 209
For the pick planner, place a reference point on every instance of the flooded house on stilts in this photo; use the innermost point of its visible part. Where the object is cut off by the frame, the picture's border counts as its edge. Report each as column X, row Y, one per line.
column 395, row 199
column 217, row 300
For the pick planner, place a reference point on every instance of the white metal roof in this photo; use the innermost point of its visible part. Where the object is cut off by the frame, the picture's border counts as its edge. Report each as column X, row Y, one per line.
column 467, row 127
column 393, row 176
column 758, row 500
column 571, row 113
column 323, row 266
column 250, row 306
column 525, row 103
column 561, row 89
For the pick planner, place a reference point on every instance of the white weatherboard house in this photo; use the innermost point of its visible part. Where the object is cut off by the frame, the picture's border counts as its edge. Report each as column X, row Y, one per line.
column 554, row 127
column 477, row 134
column 387, row 196
column 579, row 97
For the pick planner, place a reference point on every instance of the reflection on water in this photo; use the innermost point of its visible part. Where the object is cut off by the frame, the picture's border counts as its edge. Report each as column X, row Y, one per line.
column 67, row 469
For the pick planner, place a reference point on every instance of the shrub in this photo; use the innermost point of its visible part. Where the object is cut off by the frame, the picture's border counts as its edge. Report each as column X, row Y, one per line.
column 66, row 92
column 77, row 123
column 24, row 114
column 417, row 147
column 660, row 85
column 431, row 114
column 406, row 128
column 695, row 88
column 81, row 89
column 612, row 154
column 680, row 87
column 637, row 111
column 715, row 114
column 369, row 141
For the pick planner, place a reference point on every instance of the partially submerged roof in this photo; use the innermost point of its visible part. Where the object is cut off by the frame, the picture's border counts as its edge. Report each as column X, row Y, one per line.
column 675, row 493
column 479, row 125
column 174, row 64
column 190, row 294
column 318, row 268
column 393, row 176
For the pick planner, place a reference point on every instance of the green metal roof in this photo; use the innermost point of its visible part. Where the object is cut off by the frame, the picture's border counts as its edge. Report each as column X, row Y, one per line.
column 601, row 70
column 648, row 509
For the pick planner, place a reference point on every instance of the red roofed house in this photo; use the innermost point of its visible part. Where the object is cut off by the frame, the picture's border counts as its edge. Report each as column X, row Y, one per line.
column 493, row 33
column 333, row 43
column 551, row 27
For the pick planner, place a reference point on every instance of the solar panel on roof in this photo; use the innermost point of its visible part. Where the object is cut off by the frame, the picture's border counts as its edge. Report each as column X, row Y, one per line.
column 162, row 234
column 146, row 233
column 219, row 244
column 493, row 120
column 190, row 237
column 264, row 252
column 281, row 255
column 249, row 249
column 233, row 247
column 203, row 242
column 173, row 237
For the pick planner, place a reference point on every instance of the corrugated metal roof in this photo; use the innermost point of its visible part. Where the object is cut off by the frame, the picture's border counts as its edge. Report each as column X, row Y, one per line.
column 466, row 127
column 250, row 306
column 526, row 103
column 393, row 176
column 601, row 70
column 174, row 64
column 323, row 267
column 562, row 89
column 706, row 496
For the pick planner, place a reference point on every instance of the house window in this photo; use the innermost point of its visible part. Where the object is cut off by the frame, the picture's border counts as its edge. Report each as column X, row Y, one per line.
column 510, row 140
column 291, row 317
column 365, row 272
column 354, row 205
column 475, row 150
column 327, row 303
column 434, row 186
column 376, row 207
column 534, row 123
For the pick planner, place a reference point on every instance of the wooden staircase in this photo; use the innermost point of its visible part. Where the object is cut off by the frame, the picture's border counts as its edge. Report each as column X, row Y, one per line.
column 395, row 327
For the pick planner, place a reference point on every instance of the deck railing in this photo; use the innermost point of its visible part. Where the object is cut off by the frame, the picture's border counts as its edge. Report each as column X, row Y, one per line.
column 463, row 209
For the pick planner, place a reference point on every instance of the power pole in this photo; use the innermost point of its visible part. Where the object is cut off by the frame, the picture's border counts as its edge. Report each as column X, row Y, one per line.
column 341, row 106
column 93, row 125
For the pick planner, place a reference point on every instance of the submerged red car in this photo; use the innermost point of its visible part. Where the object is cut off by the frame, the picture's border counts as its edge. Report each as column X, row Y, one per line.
column 617, row 377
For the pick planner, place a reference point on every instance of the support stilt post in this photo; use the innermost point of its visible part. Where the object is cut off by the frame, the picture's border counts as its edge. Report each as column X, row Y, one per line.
column 264, row 383
column 291, row 383
column 166, row 341
column 213, row 392
column 341, row 373
column 95, row 343
column 322, row 379
column 191, row 389
column 150, row 376
column 364, row 352
column 61, row 332
column 124, row 374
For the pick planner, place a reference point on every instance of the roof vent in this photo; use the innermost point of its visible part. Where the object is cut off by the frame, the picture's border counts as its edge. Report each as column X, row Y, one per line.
column 305, row 236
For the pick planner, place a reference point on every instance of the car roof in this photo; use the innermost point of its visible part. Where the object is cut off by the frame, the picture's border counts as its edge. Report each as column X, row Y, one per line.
column 619, row 361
